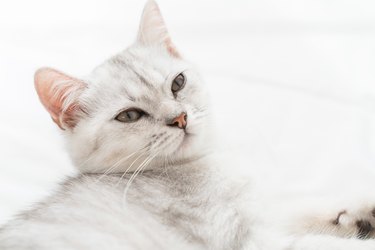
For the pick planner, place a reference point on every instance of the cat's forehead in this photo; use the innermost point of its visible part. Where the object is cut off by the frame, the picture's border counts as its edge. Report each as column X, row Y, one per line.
column 139, row 67
column 136, row 74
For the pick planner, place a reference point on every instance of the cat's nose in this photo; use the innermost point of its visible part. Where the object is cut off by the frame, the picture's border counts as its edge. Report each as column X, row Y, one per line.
column 179, row 121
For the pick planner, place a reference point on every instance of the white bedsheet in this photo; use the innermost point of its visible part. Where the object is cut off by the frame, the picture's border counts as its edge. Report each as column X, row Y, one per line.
column 293, row 82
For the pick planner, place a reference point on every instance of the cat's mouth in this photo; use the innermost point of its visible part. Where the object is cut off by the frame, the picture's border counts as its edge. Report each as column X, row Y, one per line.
column 185, row 141
column 176, row 144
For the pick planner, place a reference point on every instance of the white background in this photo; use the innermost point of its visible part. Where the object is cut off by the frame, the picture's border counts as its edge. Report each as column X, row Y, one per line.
column 293, row 83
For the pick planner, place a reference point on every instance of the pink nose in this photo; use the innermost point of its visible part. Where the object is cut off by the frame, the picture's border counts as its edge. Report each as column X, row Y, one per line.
column 180, row 121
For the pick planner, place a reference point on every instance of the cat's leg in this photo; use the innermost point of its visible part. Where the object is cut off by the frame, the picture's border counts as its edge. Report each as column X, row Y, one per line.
column 354, row 221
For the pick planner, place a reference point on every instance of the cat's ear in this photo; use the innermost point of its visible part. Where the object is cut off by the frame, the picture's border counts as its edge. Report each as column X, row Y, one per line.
column 59, row 95
column 152, row 29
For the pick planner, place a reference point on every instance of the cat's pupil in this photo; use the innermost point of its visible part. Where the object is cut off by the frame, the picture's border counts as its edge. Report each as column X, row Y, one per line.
column 178, row 83
column 129, row 116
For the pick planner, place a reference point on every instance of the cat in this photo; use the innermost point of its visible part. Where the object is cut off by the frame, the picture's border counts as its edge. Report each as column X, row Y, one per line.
column 139, row 130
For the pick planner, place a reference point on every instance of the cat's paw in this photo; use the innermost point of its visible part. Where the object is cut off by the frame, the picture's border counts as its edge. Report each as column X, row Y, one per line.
column 359, row 222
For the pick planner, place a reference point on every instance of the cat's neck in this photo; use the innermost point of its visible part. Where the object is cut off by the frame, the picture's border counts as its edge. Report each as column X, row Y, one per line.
column 189, row 171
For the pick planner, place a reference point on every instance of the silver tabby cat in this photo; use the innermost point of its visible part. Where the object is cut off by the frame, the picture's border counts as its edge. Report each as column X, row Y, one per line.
column 139, row 130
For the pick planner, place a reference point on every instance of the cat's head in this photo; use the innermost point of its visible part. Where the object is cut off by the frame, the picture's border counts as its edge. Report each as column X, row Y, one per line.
column 144, row 107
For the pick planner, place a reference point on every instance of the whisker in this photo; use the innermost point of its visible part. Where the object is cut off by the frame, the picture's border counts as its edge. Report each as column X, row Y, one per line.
column 119, row 162
column 170, row 141
column 162, row 140
column 136, row 172
column 130, row 180
column 131, row 165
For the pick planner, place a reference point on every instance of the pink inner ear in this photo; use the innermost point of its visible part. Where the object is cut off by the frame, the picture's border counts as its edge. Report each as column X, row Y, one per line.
column 152, row 29
column 171, row 48
column 59, row 93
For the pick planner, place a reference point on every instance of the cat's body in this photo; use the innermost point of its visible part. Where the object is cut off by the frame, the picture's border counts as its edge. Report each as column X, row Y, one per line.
column 190, row 206
column 181, row 207
column 138, row 129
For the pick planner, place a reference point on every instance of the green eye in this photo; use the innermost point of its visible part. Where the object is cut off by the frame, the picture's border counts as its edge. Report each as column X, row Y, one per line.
column 130, row 115
column 178, row 83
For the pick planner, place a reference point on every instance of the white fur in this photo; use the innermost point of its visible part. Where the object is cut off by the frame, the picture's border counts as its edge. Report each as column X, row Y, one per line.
column 146, row 185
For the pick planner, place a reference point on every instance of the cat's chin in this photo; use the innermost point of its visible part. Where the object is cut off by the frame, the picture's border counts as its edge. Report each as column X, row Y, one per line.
column 189, row 148
column 186, row 142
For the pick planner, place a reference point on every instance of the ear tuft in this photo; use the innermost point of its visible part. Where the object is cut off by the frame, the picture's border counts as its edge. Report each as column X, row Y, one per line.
column 152, row 29
column 59, row 95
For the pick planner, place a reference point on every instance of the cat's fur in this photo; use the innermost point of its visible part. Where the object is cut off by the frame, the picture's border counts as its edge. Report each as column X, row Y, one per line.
column 147, row 185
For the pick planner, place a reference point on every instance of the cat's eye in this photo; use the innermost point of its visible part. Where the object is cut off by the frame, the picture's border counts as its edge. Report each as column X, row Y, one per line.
column 178, row 83
column 130, row 115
